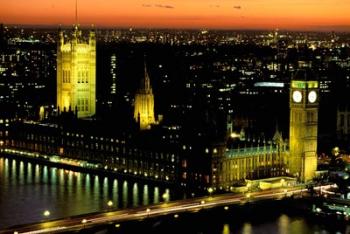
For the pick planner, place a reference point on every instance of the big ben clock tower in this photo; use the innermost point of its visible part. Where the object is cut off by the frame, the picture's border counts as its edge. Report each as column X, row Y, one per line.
column 303, row 126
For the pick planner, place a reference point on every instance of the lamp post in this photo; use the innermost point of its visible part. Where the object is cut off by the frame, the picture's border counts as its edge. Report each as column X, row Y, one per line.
column 165, row 197
column 210, row 190
column 46, row 213
column 148, row 210
column 110, row 204
column 84, row 221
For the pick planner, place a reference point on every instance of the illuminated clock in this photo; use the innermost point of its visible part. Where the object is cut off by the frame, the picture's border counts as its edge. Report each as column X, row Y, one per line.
column 297, row 96
column 312, row 96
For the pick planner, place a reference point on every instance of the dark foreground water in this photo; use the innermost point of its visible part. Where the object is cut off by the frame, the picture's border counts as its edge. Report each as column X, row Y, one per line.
column 269, row 217
column 28, row 189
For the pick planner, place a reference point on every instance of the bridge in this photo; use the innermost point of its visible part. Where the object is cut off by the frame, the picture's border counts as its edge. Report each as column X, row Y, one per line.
column 187, row 205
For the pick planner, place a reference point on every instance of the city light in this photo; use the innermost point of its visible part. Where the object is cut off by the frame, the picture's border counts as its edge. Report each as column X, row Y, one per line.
column 110, row 203
column 46, row 213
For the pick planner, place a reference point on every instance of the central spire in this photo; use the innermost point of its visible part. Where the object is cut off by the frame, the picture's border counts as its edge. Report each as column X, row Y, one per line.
column 146, row 83
column 144, row 103
column 76, row 13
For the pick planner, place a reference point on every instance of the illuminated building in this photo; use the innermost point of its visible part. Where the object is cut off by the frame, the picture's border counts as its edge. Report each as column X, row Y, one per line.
column 144, row 103
column 113, row 87
column 76, row 73
column 250, row 159
column 304, row 100
column 27, row 71
column 343, row 121
column 109, row 150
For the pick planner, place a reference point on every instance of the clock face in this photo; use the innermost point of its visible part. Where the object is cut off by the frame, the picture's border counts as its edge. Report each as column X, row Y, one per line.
column 312, row 96
column 297, row 96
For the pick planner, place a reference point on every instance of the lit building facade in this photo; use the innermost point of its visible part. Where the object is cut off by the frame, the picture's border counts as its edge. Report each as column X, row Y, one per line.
column 113, row 87
column 262, row 159
column 304, row 99
column 76, row 74
column 108, row 151
column 144, row 103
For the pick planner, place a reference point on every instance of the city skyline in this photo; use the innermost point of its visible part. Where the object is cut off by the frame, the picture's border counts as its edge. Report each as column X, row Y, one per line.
column 252, row 14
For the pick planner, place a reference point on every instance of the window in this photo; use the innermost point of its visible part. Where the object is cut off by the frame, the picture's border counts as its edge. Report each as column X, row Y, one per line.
column 86, row 77
column 83, row 104
column 79, row 74
column 342, row 120
column 66, row 76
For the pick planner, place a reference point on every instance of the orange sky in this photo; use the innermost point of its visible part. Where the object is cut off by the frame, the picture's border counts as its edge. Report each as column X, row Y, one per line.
column 269, row 14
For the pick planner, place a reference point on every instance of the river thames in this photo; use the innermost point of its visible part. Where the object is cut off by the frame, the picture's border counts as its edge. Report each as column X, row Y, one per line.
column 28, row 189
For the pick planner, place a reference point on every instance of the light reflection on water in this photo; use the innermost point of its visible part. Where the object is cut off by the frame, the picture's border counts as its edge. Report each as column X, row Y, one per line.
column 27, row 189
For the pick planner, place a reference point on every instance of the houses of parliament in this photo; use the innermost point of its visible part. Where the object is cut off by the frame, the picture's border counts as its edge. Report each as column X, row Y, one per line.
column 145, row 152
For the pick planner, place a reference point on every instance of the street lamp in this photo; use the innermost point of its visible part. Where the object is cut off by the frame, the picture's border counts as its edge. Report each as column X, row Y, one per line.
column 46, row 213
column 210, row 190
column 282, row 182
column 148, row 210
column 110, row 203
column 84, row 221
column 165, row 196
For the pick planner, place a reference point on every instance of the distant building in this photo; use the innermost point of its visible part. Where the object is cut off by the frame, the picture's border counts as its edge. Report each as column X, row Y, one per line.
column 113, row 66
column 343, row 121
column 76, row 73
column 144, row 103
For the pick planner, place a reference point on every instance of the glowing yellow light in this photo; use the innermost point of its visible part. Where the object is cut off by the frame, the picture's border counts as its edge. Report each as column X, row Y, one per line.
column 235, row 135
column 110, row 203
column 46, row 213
column 165, row 196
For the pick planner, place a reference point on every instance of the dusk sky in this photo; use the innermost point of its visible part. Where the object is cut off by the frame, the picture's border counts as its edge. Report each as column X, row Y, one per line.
column 228, row 14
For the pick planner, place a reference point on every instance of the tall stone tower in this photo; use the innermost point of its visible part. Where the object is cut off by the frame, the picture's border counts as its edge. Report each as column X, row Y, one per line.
column 76, row 73
column 303, row 125
column 144, row 103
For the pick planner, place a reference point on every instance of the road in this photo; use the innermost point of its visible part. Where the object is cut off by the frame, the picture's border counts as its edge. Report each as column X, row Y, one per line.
column 115, row 217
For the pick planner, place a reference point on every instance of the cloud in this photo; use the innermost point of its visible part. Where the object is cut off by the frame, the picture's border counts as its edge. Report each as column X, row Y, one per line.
column 164, row 6
column 158, row 5
column 237, row 7
column 214, row 6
